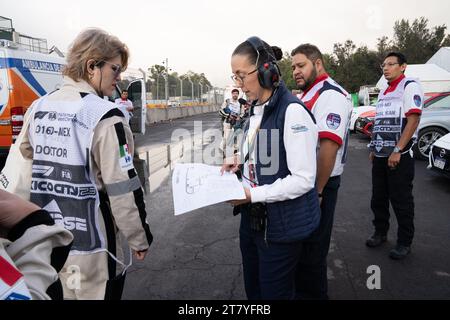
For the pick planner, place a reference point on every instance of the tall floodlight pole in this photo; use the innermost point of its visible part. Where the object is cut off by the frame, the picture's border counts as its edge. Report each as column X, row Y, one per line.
column 201, row 90
column 166, row 62
column 157, row 86
column 166, row 86
column 149, row 72
column 208, row 90
column 192, row 87
column 181, row 89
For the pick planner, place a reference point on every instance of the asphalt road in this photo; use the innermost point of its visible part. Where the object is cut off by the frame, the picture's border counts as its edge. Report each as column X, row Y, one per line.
column 196, row 255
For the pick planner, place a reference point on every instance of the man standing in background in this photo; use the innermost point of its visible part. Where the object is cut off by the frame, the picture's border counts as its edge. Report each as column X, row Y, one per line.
column 331, row 106
column 125, row 105
column 395, row 131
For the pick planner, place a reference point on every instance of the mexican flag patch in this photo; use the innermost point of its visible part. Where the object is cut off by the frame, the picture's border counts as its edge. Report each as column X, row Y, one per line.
column 125, row 159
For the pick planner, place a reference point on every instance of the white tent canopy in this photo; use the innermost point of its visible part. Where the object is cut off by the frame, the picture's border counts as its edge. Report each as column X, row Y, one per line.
column 441, row 58
column 432, row 77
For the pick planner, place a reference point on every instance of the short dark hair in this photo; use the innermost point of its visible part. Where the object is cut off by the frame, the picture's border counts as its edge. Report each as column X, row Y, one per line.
column 270, row 53
column 400, row 57
column 235, row 90
column 309, row 50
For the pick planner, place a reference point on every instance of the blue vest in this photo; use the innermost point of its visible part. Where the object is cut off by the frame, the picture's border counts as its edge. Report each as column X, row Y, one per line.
column 289, row 220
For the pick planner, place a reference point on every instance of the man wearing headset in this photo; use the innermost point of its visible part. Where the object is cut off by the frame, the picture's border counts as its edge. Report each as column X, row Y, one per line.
column 278, row 157
column 331, row 106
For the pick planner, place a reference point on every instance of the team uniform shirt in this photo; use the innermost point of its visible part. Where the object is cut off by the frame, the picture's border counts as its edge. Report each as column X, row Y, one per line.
column 332, row 108
column 112, row 174
column 31, row 255
column 402, row 98
column 300, row 140
column 12, row 282
column 235, row 107
column 125, row 106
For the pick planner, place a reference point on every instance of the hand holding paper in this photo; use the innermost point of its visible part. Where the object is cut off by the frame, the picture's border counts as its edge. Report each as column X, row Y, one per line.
column 196, row 185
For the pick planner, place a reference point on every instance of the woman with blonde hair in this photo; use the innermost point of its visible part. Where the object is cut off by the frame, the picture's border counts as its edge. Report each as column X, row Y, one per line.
column 83, row 172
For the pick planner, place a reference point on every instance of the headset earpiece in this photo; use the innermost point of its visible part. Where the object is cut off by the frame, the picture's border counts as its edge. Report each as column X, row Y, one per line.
column 268, row 71
column 98, row 64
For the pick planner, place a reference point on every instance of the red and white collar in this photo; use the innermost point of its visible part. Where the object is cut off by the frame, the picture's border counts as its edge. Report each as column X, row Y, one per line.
column 393, row 85
column 311, row 94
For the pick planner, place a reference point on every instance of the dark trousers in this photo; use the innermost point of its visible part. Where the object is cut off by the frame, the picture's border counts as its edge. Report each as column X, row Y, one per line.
column 269, row 268
column 311, row 275
column 394, row 185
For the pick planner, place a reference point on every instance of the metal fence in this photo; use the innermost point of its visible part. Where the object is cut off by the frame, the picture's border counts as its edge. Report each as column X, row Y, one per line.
column 163, row 157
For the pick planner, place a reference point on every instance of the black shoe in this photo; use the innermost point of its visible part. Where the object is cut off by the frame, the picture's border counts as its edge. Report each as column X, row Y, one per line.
column 399, row 252
column 376, row 240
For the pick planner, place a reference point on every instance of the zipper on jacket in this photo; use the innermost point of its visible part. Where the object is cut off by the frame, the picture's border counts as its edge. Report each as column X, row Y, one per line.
column 265, row 232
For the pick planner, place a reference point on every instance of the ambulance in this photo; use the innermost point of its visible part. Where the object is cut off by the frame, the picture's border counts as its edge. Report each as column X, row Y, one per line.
column 24, row 76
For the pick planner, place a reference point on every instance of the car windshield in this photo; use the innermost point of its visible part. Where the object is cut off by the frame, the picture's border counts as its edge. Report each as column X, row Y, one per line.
column 441, row 102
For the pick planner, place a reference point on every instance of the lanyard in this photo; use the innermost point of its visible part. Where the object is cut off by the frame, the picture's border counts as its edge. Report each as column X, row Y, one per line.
column 251, row 141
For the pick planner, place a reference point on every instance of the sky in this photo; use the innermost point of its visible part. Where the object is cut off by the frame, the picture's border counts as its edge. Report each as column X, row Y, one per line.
column 200, row 35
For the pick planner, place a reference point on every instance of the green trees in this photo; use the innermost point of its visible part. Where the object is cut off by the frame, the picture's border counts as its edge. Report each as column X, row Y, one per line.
column 286, row 70
column 353, row 66
column 417, row 41
column 157, row 74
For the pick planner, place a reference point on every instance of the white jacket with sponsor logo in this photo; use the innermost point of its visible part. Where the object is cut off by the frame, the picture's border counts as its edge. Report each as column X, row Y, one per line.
column 83, row 175
column 332, row 108
column 33, row 249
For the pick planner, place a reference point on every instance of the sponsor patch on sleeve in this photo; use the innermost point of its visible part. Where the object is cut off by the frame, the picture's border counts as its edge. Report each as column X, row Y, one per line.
column 12, row 283
column 125, row 159
column 296, row 128
column 417, row 100
column 333, row 121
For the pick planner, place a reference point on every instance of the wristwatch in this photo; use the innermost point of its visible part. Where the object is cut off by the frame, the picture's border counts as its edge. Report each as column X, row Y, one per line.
column 397, row 149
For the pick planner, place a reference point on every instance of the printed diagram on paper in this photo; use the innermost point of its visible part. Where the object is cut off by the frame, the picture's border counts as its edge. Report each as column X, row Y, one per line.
column 195, row 179
column 197, row 185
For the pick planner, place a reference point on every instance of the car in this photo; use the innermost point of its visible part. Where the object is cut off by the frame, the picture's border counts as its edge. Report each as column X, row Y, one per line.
column 439, row 156
column 434, row 123
column 356, row 113
column 364, row 123
column 25, row 76
column 174, row 103
column 430, row 95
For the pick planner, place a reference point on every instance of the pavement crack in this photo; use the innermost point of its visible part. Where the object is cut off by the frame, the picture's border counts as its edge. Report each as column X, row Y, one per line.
column 235, row 284
column 346, row 270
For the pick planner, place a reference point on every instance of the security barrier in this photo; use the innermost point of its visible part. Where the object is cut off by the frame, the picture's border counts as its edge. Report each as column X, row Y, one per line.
column 158, row 114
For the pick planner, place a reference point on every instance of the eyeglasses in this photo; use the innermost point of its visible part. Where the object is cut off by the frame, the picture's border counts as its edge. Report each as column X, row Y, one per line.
column 117, row 69
column 390, row 64
column 240, row 79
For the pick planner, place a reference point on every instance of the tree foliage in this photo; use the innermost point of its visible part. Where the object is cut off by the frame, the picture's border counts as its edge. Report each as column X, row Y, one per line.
column 285, row 65
column 354, row 66
column 417, row 41
column 157, row 74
